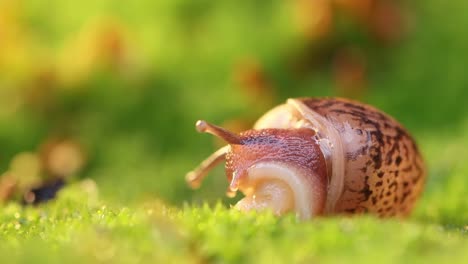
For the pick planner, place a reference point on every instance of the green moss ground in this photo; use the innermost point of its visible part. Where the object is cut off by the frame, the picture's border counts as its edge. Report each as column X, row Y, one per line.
column 155, row 233
column 80, row 228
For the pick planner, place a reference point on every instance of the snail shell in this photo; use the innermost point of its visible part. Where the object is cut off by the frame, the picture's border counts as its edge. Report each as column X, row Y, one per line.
column 316, row 156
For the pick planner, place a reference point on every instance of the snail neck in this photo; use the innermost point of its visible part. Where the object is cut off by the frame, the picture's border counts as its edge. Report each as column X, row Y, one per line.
column 282, row 188
column 331, row 146
column 274, row 195
column 296, row 114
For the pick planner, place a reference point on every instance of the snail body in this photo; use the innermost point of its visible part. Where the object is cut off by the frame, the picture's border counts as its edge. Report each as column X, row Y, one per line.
column 320, row 156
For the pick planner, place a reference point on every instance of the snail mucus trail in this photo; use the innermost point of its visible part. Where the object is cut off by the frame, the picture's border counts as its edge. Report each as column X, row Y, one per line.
column 282, row 170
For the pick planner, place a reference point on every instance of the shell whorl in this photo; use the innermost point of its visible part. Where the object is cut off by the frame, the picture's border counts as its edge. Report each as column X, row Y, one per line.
column 295, row 114
column 373, row 163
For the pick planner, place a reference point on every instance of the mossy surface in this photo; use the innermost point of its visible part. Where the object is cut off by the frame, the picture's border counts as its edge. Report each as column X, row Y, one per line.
column 79, row 227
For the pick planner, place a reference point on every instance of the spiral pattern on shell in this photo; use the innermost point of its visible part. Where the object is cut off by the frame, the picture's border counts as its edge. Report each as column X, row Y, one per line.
column 383, row 172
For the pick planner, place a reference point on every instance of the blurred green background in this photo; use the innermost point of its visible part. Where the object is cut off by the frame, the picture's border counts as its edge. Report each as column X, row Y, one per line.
column 105, row 94
column 110, row 90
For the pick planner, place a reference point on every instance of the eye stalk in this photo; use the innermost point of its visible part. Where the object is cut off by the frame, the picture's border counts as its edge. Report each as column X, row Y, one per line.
column 195, row 177
column 204, row 127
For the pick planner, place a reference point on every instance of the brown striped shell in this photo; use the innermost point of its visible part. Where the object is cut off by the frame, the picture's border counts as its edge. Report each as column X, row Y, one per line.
column 380, row 169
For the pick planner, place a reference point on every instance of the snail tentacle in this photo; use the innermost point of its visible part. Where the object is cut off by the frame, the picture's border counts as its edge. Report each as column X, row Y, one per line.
column 195, row 177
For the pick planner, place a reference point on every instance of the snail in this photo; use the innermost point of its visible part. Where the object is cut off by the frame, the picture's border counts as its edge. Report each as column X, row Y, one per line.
column 320, row 156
